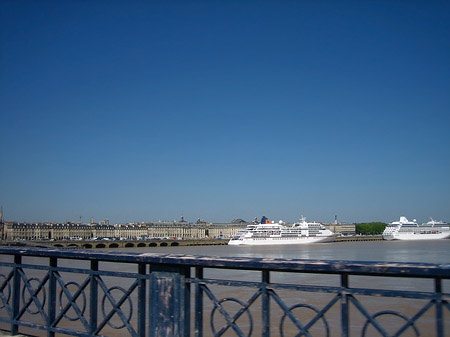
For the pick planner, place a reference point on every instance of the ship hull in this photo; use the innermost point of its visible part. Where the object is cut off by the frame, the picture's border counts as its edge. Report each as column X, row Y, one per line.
column 416, row 236
column 279, row 241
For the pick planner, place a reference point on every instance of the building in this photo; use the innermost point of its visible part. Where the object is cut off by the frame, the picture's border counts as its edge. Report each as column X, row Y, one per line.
column 131, row 231
column 47, row 231
column 341, row 228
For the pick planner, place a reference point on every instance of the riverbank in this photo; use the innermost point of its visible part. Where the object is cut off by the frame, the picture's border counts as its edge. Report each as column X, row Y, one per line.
column 100, row 244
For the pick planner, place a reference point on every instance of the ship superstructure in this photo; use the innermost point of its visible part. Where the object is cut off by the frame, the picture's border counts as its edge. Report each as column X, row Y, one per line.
column 271, row 233
column 411, row 230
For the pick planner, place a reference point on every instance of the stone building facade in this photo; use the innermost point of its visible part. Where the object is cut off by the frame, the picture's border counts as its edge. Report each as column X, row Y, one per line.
column 135, row 231
column 341, row 228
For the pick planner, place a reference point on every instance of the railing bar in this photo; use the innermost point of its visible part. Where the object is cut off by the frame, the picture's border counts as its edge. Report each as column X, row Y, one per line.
column 16, row 294
column 142, row 298
column 52, row 295
column 324, row 289
column 76, row 271
column 136, row 275
column 439, row 313
column 130, row 274
column 327, row 289
column 42, row 267
column 411, row 321
column 57, row 330
column 9, row 309
column 108, row 273
column 33, row 298
column 72, row 302
column 73, row 332
column 225, row 282
column 368, row 316
column 223, row 312
column 265, row 303
column 65, row 269
column 82, row 271
column 93, row 306
column 376, row 268
column 233, row 325
column 286, row 310
column 6, row 306
column 393, row 293
column 321, row 289
column 76, row 333
column 322, row 312
column 116, row 305
column 103, row 323
column 417, row 272
column 187, row 292
column 198, row 324
column 7, row 279
column 345, row 316
column 252, row 300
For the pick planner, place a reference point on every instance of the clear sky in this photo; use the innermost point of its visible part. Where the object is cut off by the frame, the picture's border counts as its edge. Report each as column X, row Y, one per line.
column 150, row 110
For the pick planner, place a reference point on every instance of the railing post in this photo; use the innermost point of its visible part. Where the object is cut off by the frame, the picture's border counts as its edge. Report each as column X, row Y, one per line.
column 141, row 300
column 198, row 303
column 265, row 304
column 169, row 301
column 344, row 306
column 52, row 295
column 16, row 294
column 93, row 305
column 439, row 318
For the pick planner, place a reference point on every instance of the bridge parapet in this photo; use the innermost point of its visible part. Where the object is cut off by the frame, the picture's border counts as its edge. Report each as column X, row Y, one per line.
column 99, row 293
column 92, row 244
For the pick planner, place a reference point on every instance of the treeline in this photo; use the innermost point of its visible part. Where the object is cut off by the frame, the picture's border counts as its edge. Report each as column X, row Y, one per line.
column 370, row 228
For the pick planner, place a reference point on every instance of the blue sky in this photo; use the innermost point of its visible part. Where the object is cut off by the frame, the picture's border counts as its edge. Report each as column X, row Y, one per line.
column 149, row 110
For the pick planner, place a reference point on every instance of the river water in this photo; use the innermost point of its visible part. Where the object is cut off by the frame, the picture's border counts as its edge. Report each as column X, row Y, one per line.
column 437, row 251
column 302, row 304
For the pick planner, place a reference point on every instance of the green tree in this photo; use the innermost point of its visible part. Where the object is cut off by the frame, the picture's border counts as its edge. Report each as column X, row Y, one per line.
column 370, row 228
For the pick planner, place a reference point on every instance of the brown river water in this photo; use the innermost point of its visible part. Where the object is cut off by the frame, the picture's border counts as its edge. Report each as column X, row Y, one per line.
column 303, row 304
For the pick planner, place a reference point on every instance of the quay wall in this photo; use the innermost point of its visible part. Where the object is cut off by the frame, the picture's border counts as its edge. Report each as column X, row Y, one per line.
column 359, row 238
column 101, row 244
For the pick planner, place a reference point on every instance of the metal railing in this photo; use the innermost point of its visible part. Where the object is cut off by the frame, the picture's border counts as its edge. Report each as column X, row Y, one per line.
column 90, row 293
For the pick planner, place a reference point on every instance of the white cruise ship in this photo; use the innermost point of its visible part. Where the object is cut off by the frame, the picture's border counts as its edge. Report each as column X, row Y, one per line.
column 410, row 230
column 269, row 233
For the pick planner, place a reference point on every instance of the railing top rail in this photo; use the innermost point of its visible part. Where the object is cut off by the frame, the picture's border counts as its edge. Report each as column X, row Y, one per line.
column 427, row 270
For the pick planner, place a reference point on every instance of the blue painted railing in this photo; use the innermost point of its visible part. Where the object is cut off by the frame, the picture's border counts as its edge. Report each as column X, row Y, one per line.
column 96, row 293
